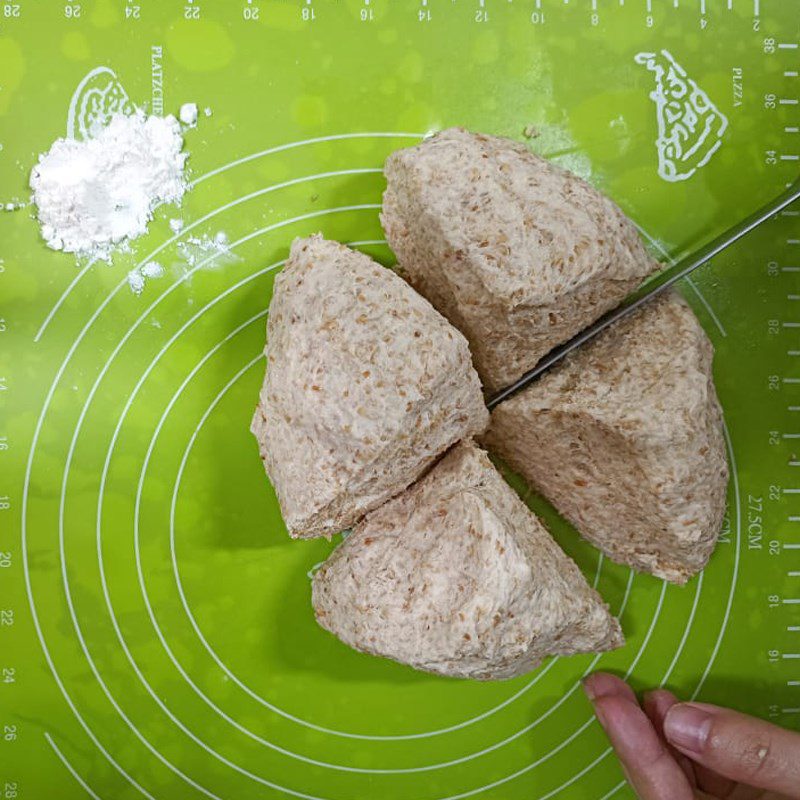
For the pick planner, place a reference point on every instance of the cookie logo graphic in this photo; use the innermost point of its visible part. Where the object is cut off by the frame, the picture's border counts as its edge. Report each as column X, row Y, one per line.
column 98, row 96
column 690, row 126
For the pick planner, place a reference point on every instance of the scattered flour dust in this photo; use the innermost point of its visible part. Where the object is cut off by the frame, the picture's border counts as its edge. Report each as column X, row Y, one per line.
column 197, row 249
column 95, row 194
column 138, row 277
column 188, row 114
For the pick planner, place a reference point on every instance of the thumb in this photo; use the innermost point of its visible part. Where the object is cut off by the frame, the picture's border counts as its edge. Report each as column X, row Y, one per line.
column 742, row 748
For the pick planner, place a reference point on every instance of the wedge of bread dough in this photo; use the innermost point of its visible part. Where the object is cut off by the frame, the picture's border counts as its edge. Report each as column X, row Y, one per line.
column 625, row 438
column 457, row 576
column 517, row 253
column 366, row 385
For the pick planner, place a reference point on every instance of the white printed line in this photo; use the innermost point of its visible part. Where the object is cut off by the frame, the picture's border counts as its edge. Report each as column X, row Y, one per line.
column 792, row 601
column 133, row 663
column 610, row 794
column 791, row 491
column 581, row 729
column 69, row 767
column 686, row 630
column 790, row 710
column 793, row 573
column 790, row 158
column 794, row 629
column 790, row 73
column 790, row 656
column 76, row 625
column 791, row 324
column 300, row 143
column 199, row 633
column 26, row 566
column 791, row 129
column 756, row 8
column 793, row 296
column 791, row 380
column 788, row 101
column 791, row 547
column 230, row 165
column 613, row 791
column 72, row 285
column 787, row 46
column 65, row 582
column 791, row 436
column 790, row 269
column 148, row 455
column 703, row 7
column 736, row 557
column 700, row 296
column 786, row 213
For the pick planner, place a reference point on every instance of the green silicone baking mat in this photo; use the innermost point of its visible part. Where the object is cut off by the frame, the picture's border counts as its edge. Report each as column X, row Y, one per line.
column 156, row 635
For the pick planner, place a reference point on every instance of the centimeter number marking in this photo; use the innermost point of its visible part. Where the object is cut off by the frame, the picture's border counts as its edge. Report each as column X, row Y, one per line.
column 482, row 11
column 785, row 435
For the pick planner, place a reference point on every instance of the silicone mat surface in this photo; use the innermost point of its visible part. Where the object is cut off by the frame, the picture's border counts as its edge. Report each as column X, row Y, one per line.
column 156, row 636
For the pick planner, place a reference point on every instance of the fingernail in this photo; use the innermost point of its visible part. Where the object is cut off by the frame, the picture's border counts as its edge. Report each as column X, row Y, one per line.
column 687, row 727
column 599, row 684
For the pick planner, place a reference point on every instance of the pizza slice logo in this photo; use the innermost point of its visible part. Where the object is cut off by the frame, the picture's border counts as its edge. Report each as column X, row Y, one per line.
column 98, row 96
column 690, row 126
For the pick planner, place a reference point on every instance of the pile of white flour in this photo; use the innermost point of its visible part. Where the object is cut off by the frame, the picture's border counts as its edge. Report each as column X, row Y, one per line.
column 92, row 195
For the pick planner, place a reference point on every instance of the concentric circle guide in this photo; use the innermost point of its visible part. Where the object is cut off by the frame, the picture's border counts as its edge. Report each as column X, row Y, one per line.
column 253, row 361
column 154, row 640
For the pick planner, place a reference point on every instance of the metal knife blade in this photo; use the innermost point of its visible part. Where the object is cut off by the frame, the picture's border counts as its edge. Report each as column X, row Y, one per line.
column 651, row 288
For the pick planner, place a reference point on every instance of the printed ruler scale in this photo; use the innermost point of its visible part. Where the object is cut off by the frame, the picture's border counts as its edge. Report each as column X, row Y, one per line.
column 156, row 638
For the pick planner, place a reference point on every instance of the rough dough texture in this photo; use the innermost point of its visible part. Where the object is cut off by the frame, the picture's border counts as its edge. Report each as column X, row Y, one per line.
column 624, row 437
column 517, row 253
column 366, row 385
column 456, row 576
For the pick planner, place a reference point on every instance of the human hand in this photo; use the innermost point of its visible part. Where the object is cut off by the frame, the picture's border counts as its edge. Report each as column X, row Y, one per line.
column 685, row 751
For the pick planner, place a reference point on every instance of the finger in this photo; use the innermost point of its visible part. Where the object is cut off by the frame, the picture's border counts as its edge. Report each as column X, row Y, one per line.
column 742, row 748
column 718, row 785
column 603, row 684
column 656, row 704
column 648, row 765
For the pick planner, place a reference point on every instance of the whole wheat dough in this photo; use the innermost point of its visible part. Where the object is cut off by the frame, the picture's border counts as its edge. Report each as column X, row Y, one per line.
column 366, row 385
column 457, row 576
column 517, row 253
column 625, row 438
